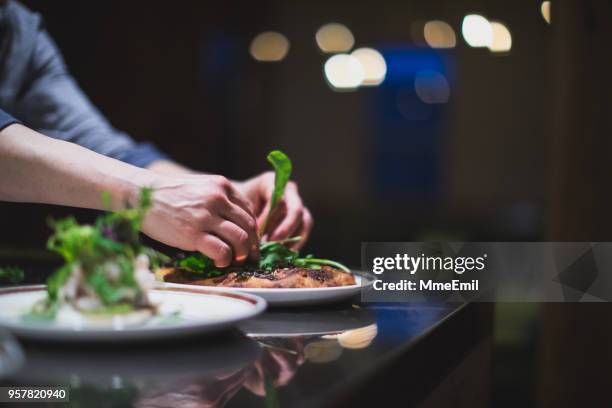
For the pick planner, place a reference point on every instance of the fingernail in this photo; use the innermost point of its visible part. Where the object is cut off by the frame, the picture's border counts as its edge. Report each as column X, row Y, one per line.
column 241, row 258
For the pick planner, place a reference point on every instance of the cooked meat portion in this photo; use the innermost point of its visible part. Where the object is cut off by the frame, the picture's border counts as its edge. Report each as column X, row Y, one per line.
column 278, row 278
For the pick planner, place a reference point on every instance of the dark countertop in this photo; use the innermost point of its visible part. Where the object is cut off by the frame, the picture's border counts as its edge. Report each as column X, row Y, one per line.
column 347, row 354
column 341, row 355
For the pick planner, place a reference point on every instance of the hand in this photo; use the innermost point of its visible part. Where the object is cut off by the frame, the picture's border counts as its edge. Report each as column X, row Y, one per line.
column 202, row 213
column 291, row 218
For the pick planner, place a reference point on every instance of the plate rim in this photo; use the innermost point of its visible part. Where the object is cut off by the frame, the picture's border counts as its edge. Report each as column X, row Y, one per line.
column 257, row 303
column 364, row 282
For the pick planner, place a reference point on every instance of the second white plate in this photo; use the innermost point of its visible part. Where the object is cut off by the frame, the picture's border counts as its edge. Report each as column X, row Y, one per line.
column 295, row 296
column 182, row 311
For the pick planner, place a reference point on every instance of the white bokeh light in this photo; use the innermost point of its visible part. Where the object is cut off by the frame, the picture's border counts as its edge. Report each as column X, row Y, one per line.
column 477, row 31
column 373, row 64
column 344, row 72
column 334, row 37
column 439, row 34
column 502, row 39
column 545, row 9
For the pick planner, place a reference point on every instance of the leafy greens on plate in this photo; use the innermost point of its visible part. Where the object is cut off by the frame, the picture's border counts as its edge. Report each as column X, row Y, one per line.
column 106, row 269
column 273, row 254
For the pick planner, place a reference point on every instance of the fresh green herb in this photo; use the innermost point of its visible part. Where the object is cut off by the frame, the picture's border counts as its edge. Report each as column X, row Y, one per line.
column 277, row 255
column 11, row 274
column 201, row 265
column 282, row 172
column 55, row 281
column 104, row 253
column 274, row 254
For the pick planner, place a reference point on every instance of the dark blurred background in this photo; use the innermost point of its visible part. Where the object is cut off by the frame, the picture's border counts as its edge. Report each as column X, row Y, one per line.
column 507, row 142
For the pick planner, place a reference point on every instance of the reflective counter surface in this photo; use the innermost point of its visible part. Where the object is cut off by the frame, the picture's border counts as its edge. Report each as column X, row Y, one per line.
column 337, row 355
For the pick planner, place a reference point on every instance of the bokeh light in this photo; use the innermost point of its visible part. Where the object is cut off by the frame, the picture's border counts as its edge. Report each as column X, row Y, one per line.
column 344, row 72
column 439, row 34
column 477, row 31
column 545, row 9
column 431, row 87
column 269, row 46
column 358, row 338
column 334, row 37
column 373, row 64
column 502, row 39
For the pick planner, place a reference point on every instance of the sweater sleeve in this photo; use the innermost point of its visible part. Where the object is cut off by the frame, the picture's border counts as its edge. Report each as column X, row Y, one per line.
column 52, row 103
column 6, row 119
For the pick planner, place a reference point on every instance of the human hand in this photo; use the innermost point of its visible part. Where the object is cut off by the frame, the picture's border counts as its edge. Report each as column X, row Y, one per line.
column 202, row 213
column 290, row 218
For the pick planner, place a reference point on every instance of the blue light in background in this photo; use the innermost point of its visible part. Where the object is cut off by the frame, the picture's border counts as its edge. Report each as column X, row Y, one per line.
column 407, row 138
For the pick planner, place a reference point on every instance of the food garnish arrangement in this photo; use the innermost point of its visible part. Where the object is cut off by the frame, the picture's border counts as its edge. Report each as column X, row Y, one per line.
column 107, row 271
column 278, row 266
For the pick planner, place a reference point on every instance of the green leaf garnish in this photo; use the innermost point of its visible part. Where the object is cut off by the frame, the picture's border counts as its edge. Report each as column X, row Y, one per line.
column 200, row 264
column 282, row 172
column 11, row 274
column 104, row 253
column 274, row 254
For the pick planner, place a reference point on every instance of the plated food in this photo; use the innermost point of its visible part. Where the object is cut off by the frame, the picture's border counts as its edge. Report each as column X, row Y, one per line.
column 281, row 277
column 106, row 290
column 106, row 274
column 279, row 267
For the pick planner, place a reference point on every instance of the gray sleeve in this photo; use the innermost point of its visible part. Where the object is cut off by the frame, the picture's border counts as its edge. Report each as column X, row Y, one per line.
column 53, row 104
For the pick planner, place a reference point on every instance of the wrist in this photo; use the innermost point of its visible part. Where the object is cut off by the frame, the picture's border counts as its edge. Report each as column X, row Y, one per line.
column 129, row 187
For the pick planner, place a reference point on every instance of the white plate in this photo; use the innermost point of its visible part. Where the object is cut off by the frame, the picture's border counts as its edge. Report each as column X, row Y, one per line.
column 295, row 296
column 182, row 311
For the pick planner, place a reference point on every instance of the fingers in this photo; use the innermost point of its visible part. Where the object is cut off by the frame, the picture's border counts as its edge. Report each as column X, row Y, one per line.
column 215, row 249
column 247, row 223
column 235, row 237
column 237, row 198
column 238, row 210
column 306, row 227
column 293, row 216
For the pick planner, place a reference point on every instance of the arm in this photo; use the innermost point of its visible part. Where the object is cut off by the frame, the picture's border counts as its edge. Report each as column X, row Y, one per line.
column 40, row 169
column 195, row 213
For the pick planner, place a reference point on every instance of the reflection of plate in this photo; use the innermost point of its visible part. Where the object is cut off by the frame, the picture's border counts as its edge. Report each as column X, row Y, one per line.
column 196, row 358
column 182, row 312
column 308, row 322
column 296, row 296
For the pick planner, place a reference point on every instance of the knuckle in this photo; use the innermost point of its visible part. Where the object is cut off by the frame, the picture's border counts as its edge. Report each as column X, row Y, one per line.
column 242, row 238
column 251, row 224
column 223, row 251
column 222, row 181
column 216, row 197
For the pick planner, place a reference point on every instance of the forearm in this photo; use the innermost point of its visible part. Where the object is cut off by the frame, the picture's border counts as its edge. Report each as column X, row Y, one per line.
column 169, row 168
column 39, row 169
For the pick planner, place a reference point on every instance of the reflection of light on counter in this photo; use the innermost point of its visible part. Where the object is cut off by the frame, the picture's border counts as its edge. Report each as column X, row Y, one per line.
column 322, row 351
column 334, row 37
column 269, row 46
column 477, row 31
column 431, row 87
column 545, row 9
column 502, row 39
column 344, row 72
column 439, row 34
column 358, row 338
column 373, row 64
